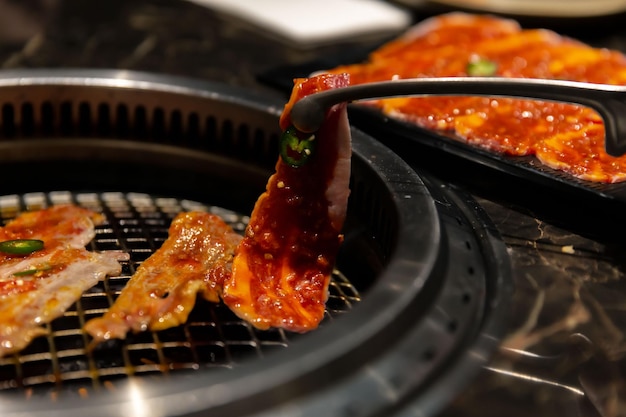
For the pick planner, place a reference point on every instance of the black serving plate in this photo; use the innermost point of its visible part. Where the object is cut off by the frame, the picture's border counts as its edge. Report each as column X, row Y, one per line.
column 409, row 140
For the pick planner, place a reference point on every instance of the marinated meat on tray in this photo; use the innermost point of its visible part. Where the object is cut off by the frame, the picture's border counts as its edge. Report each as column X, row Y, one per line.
column 282, row 268
column 562, row 136
column 45, row 268
column 193, row 260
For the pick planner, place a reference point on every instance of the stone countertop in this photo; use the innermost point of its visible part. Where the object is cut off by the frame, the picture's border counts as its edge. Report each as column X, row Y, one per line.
column 565, row 352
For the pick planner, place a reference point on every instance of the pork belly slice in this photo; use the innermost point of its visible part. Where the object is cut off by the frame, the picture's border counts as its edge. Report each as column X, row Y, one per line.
column 282, row 268
column 65, row 224
column 194, row 259
column 38, row 287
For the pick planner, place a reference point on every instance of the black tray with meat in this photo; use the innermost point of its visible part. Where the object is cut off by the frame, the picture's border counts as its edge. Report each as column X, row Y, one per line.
column 449, row 155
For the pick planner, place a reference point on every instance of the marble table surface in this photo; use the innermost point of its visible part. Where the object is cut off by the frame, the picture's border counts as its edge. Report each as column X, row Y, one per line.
column 565, row 352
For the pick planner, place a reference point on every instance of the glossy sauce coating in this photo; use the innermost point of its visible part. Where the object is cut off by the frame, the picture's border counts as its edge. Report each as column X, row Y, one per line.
column 562, row 136
column 38, row 287
column 283, row 266
column 59, row 227
column 193, row 260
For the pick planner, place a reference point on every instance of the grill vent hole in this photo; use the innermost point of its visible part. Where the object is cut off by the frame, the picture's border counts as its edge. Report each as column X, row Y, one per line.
column 176, row 124
column 103, row 125
column 226, row 135
column 243, row 137
column 193, row 129
column 67, row 121
column 28, row 119
column 158, row 124
column 140, row 122
column 210, row 134
column 121, row 120
column 84, row 119
column 47, row 118
column 8, row 120
column 258, row 143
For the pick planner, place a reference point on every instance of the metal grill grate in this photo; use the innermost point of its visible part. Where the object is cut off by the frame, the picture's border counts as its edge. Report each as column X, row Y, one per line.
column 212, row 337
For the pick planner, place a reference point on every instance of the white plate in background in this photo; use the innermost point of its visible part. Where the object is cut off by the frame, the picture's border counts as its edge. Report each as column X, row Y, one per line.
column 310, row 23
column 535, row 8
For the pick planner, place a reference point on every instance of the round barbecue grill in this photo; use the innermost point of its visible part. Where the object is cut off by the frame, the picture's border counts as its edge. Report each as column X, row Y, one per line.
column 417, row 301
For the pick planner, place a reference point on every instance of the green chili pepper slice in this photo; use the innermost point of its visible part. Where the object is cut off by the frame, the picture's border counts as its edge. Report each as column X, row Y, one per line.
column 32, row 271
column 481, row 68
column 21, row 246
column 295, row 149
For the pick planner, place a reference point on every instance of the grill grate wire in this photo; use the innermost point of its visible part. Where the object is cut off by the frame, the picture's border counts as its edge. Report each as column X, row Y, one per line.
column 212, row 337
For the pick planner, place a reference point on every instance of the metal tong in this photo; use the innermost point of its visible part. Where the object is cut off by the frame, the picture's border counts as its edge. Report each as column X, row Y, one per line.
column 609, row 101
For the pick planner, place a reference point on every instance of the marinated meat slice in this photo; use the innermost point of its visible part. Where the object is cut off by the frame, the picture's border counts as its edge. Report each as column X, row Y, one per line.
column 562, row 136
column 282, row 268
column 61, row 224
column 37, row 287
column 194, row 259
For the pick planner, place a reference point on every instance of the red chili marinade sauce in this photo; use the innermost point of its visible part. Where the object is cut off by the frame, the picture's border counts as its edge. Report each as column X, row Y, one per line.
column 24, row 283
column 283, row 266
column 562, row 136
column 55, row 226
column 16, row 286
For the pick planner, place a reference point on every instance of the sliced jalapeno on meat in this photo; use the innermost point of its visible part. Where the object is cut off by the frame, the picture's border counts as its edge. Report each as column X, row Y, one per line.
column 481, row 67
column 296, row 147
column 21, row 246
column 32, row 271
